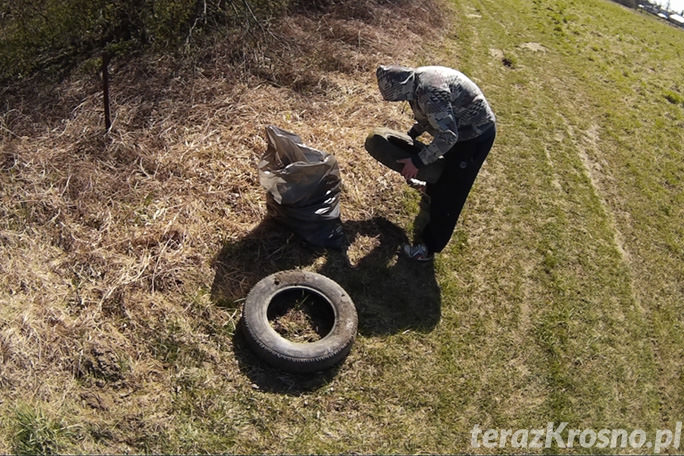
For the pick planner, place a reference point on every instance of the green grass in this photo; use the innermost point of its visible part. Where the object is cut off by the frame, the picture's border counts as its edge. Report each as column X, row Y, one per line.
column 559, row 299
column 35, row 433
column 569, row 208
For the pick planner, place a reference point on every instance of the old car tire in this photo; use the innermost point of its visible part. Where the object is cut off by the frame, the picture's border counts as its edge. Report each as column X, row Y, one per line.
column 296, row 356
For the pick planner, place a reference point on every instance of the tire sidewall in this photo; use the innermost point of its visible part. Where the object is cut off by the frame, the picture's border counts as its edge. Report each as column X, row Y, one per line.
column 301, row 357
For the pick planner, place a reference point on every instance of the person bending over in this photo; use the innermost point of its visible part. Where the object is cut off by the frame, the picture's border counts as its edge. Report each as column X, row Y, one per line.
column 453, row 109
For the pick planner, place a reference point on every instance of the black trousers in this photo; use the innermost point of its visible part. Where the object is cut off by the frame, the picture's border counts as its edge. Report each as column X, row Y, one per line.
column 449, row 193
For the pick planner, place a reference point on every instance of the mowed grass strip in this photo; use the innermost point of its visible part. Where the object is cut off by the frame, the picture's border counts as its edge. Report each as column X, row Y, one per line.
column 567, row 203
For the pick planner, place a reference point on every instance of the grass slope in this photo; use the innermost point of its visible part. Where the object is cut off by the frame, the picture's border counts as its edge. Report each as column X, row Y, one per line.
column 560, row 297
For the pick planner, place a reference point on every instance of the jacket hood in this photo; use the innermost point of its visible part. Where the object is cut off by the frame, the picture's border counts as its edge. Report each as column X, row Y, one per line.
column 396, row 83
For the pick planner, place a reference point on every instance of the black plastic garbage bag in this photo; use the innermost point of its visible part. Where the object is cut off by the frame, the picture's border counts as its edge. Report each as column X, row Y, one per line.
column 303, row 186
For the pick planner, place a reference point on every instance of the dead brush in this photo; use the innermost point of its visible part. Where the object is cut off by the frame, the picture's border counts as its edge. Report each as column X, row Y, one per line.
column 109, row 242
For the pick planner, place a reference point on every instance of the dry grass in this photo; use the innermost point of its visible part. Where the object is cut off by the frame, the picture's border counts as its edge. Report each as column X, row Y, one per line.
column 110, row 244
column 124, row 259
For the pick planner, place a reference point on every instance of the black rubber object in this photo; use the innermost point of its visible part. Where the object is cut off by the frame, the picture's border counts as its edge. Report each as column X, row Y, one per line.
column 294, row 356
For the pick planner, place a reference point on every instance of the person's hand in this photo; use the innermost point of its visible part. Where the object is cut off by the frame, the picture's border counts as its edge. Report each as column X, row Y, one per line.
column 409, row 171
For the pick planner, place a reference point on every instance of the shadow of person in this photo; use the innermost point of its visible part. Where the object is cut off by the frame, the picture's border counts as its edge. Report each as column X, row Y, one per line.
column 391, row 294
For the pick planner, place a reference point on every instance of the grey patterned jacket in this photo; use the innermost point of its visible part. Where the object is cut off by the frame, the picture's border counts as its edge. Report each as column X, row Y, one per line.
column 445, row 103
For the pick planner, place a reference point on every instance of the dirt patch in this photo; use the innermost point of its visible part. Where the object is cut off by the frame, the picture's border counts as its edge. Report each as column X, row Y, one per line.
column 532, row 46
column 497, row 54
column 103, row 364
